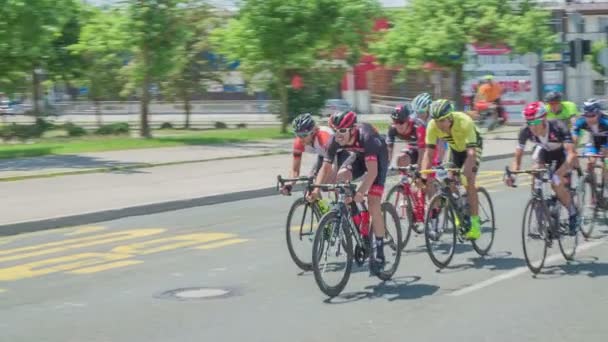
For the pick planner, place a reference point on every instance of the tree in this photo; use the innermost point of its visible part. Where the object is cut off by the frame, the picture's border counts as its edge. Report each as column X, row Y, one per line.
column 439, row 31
column 191, row 69
column 156, row 30
column 102, row 45
column 284, row 37
column 27, row 30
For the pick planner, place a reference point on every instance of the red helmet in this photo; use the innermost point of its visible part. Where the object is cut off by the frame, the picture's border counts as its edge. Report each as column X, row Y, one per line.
column 344, row 119
column 534, row 110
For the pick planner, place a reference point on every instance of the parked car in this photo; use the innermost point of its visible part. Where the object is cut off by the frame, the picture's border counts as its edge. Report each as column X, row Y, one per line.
column 335, row 105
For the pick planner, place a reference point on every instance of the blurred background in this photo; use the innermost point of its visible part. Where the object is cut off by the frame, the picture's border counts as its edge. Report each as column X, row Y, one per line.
column 115, row 66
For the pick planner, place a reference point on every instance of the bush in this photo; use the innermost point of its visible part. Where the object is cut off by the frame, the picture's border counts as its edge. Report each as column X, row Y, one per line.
column 220, row 125
column 113, row 129
column 74, row 130
column 166, row 125
column 21, row 132
column 241, row 125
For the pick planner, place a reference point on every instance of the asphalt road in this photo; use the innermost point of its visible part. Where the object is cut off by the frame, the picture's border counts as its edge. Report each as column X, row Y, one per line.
column 108, row 282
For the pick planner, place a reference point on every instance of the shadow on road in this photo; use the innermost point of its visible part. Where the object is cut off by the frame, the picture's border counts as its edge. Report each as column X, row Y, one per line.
column 499, row 261
column 401, row 288
column 590, row 266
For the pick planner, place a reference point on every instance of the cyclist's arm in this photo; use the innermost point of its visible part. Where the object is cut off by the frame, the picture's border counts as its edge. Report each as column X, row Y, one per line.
column 577, row 131
column 430, row 141
column 569, row 146
column 390, row 143
column 296, row 164
column 328, row 160
column 519, row 150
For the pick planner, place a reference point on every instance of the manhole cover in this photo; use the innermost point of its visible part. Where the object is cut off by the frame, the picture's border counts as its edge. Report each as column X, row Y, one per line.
column 193, row 293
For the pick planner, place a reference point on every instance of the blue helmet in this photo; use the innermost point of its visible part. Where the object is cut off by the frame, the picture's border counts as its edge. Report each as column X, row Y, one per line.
column 591, row 106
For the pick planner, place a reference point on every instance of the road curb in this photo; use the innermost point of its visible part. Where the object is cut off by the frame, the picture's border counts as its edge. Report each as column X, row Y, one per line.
column 147, row 209
column 133, row 167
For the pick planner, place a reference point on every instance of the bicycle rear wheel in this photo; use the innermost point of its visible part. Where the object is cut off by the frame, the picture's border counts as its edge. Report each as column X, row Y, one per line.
column 535, row 234
column 392, row 241
column 568, row 243
column 440, row 224
column 332, row 239
column 488, row 226
column 302, row 221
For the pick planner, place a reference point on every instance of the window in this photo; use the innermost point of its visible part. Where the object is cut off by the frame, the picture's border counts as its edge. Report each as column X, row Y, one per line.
column 580, row 27
column 599, row 88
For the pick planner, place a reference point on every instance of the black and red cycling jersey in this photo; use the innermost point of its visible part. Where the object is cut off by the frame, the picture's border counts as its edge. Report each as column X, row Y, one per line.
column 414, row 136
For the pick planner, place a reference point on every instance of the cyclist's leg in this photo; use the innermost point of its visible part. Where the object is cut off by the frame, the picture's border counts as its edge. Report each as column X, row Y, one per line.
column 374, row 199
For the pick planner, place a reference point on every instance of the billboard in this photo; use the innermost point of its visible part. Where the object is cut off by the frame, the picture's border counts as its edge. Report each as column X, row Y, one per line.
column 516, row 74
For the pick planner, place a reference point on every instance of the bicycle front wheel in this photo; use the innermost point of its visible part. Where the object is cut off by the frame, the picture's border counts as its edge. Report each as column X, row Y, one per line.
column 487, row 223
column 403, row 206
column 535, row 234
column 332, row 258
column 440, row 231
column 589, row 206
column 302, row 221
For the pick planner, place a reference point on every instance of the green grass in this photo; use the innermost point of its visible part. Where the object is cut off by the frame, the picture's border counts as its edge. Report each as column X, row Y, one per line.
column 49, row 146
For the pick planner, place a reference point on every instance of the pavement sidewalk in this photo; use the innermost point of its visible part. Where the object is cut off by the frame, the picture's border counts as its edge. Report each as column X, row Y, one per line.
column 195, row 175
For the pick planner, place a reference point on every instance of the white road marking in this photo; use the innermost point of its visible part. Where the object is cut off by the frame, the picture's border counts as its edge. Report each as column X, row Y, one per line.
column 520, row 270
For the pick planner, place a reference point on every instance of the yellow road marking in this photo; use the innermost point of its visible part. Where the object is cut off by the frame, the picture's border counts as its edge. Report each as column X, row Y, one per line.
column 105, row 267
column 305, row 229
column 61, row 246
column 85, row 230
column 222, row 243
column 63, row 263
column 120, row 256
column 181, row 241
column 2, row 290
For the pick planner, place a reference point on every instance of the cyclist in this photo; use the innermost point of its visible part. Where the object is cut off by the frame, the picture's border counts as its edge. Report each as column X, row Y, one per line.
column 596, row 123
column 465, row 146
column 553, row 144
column 406, row 128
column 565, row 111
column 370, row 162
column 310, row 138
column 491, row 92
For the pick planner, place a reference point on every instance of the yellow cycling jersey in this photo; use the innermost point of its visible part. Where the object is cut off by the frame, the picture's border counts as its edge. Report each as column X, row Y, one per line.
column 462, row 135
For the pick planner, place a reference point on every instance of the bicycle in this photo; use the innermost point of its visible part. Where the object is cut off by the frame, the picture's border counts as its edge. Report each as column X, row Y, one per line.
column 409, row 201
column 335, row 235
column 451, row 200
column 597, row 190
column 546, row 211
column 306, row 228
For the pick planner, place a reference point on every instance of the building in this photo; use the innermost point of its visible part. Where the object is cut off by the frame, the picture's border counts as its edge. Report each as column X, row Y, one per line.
column 586, row 20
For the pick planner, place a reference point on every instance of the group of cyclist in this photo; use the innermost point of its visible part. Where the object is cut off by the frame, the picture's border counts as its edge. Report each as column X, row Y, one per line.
column 350, row 150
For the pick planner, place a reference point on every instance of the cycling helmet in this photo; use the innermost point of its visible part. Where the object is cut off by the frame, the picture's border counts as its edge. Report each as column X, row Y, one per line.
column 591, row 106
column 534, row 110
column 401, row 113
column 303, row 123
column 553, row 96
column 421, row 102
column 441, row 108
column 344, row 119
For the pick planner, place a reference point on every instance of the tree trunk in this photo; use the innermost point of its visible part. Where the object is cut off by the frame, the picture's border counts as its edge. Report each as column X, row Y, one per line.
column 98, row 112
column 144, row 130
column 283, row 97
column 458, row 78
column 187, row 108
column 36, row 92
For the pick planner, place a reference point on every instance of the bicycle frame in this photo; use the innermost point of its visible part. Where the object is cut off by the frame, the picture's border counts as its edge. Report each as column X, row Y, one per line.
column 313, row 206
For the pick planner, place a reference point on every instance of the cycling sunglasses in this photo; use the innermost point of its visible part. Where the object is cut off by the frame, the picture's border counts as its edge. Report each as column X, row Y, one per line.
column 343, row 130
column 303, row 134
column 589, row 114
column 535, row 122
column 399, row 122
column 446, row 117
